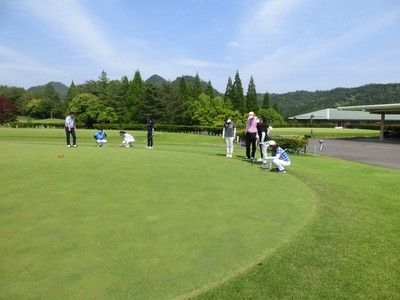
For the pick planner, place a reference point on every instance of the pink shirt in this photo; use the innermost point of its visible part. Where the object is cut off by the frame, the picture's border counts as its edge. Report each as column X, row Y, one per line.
column 251, row 125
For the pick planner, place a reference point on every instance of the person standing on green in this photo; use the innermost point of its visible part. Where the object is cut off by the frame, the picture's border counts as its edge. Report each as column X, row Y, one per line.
column 150, row 133
column 229, row 133
column 70, row 129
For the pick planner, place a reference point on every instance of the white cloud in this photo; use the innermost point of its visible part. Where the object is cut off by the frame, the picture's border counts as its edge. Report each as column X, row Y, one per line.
column 70, row 23
column 269, row 17
column 20, row 62
column 319, row 55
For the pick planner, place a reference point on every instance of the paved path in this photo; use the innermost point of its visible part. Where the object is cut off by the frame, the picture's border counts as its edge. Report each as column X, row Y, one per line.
column 369, row 151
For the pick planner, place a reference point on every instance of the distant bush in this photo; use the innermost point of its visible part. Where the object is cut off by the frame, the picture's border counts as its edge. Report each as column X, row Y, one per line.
column 292, row 143
column 209, row 130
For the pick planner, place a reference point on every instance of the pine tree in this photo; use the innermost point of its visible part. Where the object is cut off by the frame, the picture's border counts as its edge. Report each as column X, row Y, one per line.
column 251, row 97
column 209, row 90
column 71, row 93
column 135, row 95
column 266, row 103
column 229, row 92
column 238, row 100
column 196, row 89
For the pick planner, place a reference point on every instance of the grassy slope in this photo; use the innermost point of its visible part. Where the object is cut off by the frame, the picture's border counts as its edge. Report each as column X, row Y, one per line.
column 349, row 250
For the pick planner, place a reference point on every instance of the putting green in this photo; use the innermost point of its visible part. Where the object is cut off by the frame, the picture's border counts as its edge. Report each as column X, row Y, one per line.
column 136, row 223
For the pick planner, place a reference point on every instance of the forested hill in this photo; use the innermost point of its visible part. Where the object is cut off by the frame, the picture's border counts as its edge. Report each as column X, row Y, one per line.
column 294, row 103
column 60, row 88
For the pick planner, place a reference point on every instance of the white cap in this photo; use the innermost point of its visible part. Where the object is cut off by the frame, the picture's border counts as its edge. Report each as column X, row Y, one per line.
column 251, row 114
column 228, row 121
column 271, row 143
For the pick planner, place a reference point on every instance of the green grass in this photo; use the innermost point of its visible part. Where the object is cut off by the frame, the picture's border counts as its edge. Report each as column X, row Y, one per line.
column 183, row 221
column 113, row 222
column 327, row 132
column 350, row 249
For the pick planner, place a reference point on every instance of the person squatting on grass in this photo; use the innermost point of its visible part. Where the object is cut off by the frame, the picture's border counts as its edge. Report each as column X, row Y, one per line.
column 150, row 133
column 100, row 138
column 70, row 129
column 251, row 136
column 127, row 139
column 229, row 133
column 263, row 131
column 279, row 157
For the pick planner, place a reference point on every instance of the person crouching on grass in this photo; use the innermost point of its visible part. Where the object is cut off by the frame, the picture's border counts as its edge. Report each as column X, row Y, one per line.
column 127, row 139
column 100, row 138
column 279, row 157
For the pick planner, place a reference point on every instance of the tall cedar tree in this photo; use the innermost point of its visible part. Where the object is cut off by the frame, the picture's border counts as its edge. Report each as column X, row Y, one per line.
column 122, row 100
column 71, row 93
column 197, row 89
column 266, row 103
column 102, row 88
column 238, row 100
column 251, row 97
column 209, row 90
column 136, row 93
column 229, row 92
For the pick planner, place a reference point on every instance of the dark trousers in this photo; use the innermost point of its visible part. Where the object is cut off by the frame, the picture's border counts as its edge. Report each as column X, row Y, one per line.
column 149, row 140
column 251, row 139
column 68, row 133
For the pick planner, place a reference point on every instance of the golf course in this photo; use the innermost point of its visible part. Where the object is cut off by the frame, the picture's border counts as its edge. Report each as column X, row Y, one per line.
column 182, row 221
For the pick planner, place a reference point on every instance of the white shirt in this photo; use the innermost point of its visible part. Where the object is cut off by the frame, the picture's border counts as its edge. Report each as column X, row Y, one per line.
column 128, row 138
column 70, row 122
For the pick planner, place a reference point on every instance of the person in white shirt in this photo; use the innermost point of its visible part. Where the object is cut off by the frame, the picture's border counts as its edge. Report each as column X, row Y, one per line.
column 70, row 129
column 127, row 139
column 280, row 159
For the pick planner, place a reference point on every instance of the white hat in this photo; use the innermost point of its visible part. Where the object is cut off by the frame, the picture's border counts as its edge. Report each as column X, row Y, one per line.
column 271, row 143
column 228, row 121
column 251, row 114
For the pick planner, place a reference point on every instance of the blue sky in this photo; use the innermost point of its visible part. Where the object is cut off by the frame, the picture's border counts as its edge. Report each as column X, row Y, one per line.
column 286, row 45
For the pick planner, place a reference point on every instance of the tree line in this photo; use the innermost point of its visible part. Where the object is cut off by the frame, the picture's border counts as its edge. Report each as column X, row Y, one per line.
column 185, row 101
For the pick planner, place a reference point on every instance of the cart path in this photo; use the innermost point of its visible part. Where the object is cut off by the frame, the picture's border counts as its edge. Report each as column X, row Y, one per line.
column 369, row 151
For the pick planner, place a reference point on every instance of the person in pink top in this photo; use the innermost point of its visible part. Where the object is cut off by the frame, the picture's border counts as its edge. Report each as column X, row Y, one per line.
column 251, row 136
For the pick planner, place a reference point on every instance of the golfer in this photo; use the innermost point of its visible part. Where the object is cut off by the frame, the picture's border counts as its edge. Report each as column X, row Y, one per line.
column 280, row 159
column 100, row 138
column 70, row 129
column 127, row 139
column 150, row 133
column 251, row 136
column 263, row 131
column 229, row 133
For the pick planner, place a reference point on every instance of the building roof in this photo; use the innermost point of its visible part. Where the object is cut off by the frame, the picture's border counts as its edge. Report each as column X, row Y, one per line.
column 334, row 114
column 393, row 108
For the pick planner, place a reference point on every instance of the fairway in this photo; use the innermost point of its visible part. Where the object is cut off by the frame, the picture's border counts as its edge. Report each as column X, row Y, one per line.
column 116, row 222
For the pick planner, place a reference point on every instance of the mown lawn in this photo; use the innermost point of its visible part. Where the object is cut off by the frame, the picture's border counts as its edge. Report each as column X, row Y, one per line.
column 182, row 221
column 113, row 222
column 350, row 249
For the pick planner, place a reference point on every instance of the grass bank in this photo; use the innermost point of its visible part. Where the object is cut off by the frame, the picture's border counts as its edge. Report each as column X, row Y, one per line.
column 350, row 248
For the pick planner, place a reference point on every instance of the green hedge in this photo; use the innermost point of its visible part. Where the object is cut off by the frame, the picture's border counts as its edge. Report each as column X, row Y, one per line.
column 209, row 130
column 293, row 143
column 35, row 125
